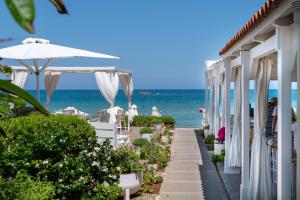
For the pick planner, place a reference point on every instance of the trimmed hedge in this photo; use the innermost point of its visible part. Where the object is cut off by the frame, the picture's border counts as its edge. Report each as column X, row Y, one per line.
column 148, row 121
column 59, row 149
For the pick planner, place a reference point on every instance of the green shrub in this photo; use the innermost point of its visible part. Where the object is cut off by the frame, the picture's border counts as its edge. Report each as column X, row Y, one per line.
column 128, row 161
column 60, row 149
column 210, row 139
column 168, row 121
column 148, row 121
column 218, row 158
column 149, row 179
column 25, row 188
column 140, row 142
column 146, row 130
column 168, row 133
column 107, row 192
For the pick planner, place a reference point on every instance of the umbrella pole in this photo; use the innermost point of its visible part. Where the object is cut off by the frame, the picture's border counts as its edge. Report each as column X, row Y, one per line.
column 37, row 86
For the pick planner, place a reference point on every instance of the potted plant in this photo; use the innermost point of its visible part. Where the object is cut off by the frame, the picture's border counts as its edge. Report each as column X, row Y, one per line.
column 156, row 122
column 219, row 142
column 151, row 154
column 146, row 133
column 206, row 131
column 166, row 138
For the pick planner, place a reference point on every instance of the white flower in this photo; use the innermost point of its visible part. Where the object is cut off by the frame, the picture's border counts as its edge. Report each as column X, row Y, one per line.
column 45, row 162
column 36, row 165
column 105, row 184
column 81, row 178
column 105, row 169
column 60, row 180
column 119, row 168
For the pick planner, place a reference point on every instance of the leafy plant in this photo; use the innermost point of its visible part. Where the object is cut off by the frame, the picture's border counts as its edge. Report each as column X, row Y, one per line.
column 60, row 149
column 128, row 161
column 210, row 139
column 148, row 121
column 146, row 130
column 10, row 88
column 107, row 192
column 168, row 133
column 140, row 142
column 25, row 187
column 23, row 11
column 168, row 121
column 218, row 158
column 149, row 179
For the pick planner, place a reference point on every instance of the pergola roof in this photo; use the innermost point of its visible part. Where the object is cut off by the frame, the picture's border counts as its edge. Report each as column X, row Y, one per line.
column 79, row 69
column 255, row 20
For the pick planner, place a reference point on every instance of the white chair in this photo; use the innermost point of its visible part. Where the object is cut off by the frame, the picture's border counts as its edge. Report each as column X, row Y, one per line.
column 130, row 184
column 105, row 131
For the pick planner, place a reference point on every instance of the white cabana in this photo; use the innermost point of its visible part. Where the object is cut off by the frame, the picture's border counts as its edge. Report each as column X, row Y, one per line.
column 272, row 33
column 108, row 87
column 38, row 49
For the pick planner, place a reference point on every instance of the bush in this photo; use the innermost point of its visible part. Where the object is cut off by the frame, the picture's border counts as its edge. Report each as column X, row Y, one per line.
column 149, row 179
column 148, row 121
column 168, row 133
column 218, row 158
column 140, row 142
column 168, row 121
column 146, row 130
column 25, row 188
column 128, row 161
column 59, row 149
column 210, row 139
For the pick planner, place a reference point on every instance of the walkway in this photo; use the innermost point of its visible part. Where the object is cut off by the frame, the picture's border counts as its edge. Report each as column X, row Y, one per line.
column 190, row 174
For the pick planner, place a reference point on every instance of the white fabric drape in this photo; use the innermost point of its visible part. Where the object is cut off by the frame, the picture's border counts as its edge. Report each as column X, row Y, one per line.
column 222, row 123
column 127, row 85
column 216, row 108
column 51, row 80
column 108, row 84
column 211, row 104
column 19, row 78
column 235, row 146
column 260, row 175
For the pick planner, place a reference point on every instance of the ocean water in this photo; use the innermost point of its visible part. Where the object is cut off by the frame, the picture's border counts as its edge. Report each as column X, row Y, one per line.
column 183, row 105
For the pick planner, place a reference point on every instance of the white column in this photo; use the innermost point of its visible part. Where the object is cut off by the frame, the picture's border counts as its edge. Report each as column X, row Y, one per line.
column 284, row 179
column 227, row 169
column 216, row 107
column 296, row 8
column 245, row 61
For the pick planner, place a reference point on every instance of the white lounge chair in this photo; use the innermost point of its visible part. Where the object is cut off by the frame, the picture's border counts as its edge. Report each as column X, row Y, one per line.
column 130, row 184
column 105, row 131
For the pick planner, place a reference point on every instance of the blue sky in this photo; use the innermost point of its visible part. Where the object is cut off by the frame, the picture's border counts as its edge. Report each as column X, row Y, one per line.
column 164, row 42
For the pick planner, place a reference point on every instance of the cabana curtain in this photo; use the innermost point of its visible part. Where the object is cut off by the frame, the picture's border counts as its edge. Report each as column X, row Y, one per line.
column 19, row 78
column 51, row 80
column 216, row 109
column 211, row 103
column 127, row 85
column 260, row 175
column 222, row 123
column 235, row 147
column 108, row 84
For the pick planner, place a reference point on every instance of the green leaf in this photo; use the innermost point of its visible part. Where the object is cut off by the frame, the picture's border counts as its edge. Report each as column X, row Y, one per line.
column 23, row 12
column 12, row 99
column 10, row 88
column 60, row 6
column 6, row 70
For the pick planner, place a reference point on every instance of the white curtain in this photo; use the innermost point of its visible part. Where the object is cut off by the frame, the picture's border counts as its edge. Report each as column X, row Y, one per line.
column 211, row 103
column 19, row 78
column 51, row 80
column 260, row 175
column 108, row 84
column 222, row 123
column 235, row 146
column 217, row 107
column 127, row 85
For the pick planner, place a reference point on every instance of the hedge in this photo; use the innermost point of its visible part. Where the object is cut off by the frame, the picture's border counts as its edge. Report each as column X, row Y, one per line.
column 148, row 121
column 59, row 149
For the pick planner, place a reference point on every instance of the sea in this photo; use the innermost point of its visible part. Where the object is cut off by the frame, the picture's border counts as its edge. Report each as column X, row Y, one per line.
column 183, row 105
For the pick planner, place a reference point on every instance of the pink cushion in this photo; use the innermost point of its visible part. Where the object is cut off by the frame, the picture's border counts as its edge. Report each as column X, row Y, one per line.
column 221, row 134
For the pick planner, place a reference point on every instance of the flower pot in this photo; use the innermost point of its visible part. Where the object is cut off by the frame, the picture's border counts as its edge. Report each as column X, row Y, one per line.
column 206, row 133
column 147, row 136
column 218, row 147
column 152, row 165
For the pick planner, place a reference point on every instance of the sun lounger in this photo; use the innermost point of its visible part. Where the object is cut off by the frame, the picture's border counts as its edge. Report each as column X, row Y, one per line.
column 105, row 131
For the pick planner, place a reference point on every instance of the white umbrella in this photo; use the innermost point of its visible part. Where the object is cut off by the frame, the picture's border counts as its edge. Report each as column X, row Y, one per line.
column 37, row 49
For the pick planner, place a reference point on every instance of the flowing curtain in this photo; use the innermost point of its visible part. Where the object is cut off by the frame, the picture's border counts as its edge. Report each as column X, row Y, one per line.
column 217, row 107
column 19, row 78
column 127, row 85
column 51, row 80
column 108, row 84
column 211, row 103
column 222, row 123
column 235, row 147
column 260, row 175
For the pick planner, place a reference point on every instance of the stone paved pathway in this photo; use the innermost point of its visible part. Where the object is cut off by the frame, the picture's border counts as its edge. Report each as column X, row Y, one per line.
column 187, row 176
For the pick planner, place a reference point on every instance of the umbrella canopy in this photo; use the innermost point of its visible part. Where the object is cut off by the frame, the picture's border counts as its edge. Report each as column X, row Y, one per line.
column 37, row 49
